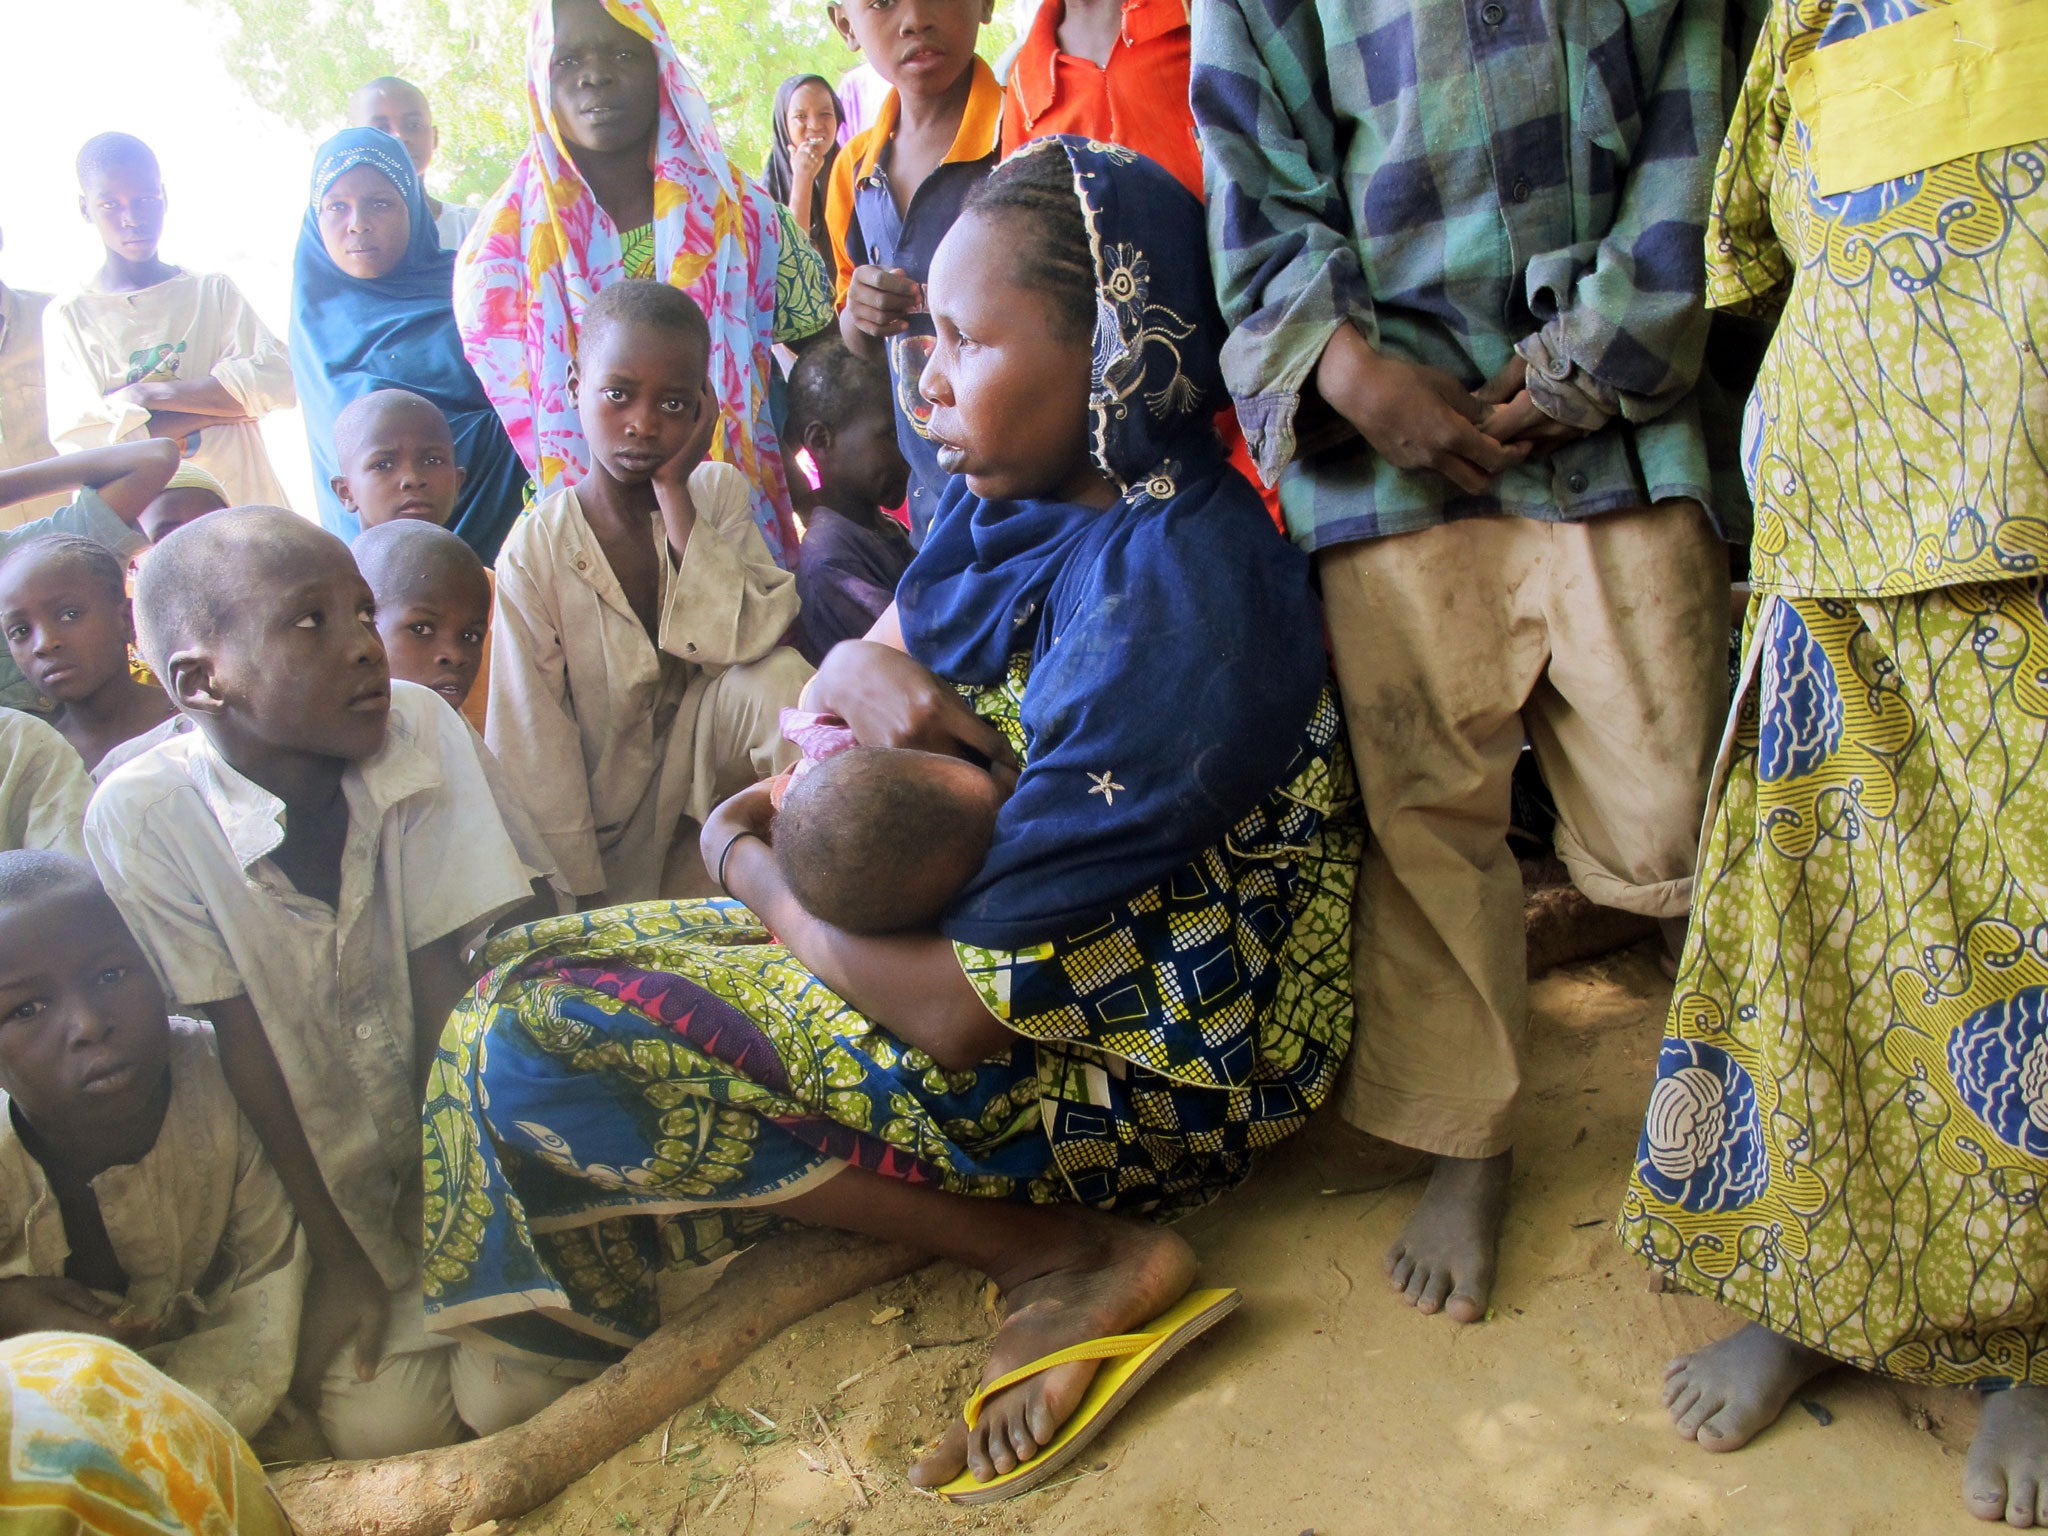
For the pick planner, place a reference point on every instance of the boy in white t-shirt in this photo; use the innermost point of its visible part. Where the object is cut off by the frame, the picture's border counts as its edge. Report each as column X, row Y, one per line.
column 309, row 869
column 147, row 349
column 638, row 676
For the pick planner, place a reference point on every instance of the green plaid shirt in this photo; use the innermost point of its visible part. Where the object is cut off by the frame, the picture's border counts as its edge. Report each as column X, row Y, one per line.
column 1451, row 176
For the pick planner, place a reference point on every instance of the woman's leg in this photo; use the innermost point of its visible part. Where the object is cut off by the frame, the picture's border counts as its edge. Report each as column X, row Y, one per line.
column 1067, row 1274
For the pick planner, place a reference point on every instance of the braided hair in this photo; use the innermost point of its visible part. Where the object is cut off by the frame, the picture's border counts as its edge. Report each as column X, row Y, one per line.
column 1034, row 190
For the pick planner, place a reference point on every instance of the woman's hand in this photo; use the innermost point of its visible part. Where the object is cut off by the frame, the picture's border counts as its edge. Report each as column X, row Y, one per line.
column 890, row 700
column 750, row 813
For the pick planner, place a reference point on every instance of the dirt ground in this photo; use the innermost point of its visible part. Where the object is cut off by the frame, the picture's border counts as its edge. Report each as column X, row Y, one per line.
column 1323, row 1405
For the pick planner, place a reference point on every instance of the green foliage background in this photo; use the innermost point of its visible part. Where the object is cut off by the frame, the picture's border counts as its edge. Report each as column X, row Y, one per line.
column 302, row 58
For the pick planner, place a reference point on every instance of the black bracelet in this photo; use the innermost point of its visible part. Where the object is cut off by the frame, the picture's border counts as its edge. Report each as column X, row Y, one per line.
column 727, row 853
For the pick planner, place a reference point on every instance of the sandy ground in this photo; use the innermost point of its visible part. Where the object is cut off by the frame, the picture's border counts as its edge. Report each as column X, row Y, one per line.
column 1323, row 1405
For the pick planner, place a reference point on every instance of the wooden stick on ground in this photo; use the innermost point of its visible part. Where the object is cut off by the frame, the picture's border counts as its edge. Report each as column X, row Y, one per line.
column 768, row 1288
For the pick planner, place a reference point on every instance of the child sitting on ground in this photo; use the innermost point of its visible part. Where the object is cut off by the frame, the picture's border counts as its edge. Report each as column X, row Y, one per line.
column 433, row 606
column 853, row 553
column 116, row 485
column 192, row 493
column 43, row 787
column 64, row 614
column 149, row 349
column 397, row 458
column 637, row 680
column 135, row 1201
column 309, row 867
column 900, row 185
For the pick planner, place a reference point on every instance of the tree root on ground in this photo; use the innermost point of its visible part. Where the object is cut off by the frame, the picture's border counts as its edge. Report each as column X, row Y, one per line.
column 777, row 1283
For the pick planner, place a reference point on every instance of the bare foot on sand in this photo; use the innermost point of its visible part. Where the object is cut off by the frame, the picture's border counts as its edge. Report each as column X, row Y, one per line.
column 1112, row 1277
column 1444, row 1258
column 2006, row 1477
column 1723, row 1396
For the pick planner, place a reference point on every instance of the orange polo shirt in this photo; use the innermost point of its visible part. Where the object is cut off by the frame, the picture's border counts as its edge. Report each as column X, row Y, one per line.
column 1139, row 99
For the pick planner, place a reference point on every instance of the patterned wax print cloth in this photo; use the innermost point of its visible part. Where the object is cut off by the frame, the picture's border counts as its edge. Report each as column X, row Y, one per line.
column 1847, row 1138
column 672, row 1061
column 97, row 1442
column 543, row 248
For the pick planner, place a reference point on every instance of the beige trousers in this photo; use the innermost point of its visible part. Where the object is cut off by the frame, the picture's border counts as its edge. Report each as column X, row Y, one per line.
column 1606, row 642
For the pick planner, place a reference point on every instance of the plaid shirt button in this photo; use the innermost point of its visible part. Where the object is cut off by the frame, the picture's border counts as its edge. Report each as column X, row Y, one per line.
column 1520, row 191
column 1494, row 15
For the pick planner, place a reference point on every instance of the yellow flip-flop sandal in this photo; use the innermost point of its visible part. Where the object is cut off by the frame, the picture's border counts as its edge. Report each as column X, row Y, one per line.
column 1132, row 1357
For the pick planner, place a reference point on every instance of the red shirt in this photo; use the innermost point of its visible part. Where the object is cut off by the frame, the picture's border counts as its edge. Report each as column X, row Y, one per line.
column 1139, row 99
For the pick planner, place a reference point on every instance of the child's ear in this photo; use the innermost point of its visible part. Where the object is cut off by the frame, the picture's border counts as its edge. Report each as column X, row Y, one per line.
column 575, row 384
column 835, row 10
column 84, row 208
column 340, row 485
column 192, row 683
column 461, row 475
column 818, row 437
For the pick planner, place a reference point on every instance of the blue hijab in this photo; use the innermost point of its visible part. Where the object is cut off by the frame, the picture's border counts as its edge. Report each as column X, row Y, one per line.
column 1175, row 643
column 350, row 337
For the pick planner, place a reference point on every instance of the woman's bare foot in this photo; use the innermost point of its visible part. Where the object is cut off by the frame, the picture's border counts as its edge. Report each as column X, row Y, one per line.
column 1444, row 1258
column 2006, row 1477
column 1725, row 1395
column 1113, row 1276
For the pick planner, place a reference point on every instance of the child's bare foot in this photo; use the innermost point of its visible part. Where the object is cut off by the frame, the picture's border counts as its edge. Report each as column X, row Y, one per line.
column 1112, row 1277
column 1444, row 1258
column 2006, row 1477
column 1725, row 1395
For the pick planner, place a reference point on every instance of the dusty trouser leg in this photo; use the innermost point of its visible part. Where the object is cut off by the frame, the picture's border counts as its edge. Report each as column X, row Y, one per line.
column 736, row 741
column 1439, row 640
column 1627, row 720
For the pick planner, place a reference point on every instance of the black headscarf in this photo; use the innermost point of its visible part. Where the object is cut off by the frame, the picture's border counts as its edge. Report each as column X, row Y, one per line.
column 777, row 174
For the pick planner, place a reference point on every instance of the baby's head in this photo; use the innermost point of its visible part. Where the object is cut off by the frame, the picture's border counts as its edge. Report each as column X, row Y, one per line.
column 263, row 630
column 396, row 455
column 643, row 352
column 189, row 496
column 433, row 604
column 880, row 840
column 84, row 1037
column 64, row 611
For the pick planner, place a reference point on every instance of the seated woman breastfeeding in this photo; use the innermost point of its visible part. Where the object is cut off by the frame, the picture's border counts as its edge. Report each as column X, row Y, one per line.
column 623, row 176
column 1148, row 978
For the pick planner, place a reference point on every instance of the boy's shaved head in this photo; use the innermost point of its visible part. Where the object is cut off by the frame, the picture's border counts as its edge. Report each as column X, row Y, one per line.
column 107, row 153
column 187, row 591
column 360, row 419
column 645, row 305
column 404, row 557
column 30, row 875
column 383, row 85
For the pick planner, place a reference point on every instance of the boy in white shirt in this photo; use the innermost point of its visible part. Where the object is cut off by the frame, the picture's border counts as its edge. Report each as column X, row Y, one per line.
column 149, row 349
column 135, row 1200
column 400, row 108
column 638, row 677
column 309, row 868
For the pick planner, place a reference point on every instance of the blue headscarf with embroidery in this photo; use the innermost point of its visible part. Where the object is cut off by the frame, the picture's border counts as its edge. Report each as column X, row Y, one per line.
column 353, row 335
column 1175, row 644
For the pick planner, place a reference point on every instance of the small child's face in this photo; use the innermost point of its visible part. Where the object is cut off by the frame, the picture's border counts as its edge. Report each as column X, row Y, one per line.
column 604, row 81
column 125, row 206
column 364, row 223
column 300, row 667
column 434, row 636
column 640, row 393
column 65, row 630
column 922, row 47
column 83, row 1032
column 866, row 460
column 1010, row 412
column 173, row 509
column 402, row 113
column 402, row 464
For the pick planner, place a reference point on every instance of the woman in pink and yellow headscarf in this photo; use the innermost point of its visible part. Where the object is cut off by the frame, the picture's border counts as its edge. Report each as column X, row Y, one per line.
column 624, row 177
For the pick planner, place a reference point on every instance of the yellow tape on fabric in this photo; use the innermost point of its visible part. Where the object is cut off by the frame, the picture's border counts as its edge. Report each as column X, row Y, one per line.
column 1953, row 81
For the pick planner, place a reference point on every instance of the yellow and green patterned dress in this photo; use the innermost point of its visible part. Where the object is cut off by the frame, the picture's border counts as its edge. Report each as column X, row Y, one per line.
column 639, row 1087
column 1847, row 1139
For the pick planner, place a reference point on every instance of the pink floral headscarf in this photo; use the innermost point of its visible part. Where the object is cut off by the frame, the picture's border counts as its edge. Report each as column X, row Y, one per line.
column 542, row 248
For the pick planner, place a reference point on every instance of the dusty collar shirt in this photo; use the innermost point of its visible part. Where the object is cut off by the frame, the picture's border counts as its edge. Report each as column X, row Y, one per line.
column 1460, row 179
column 183, row 843
column 202, row 1229
column 592, row 720
column 43, row 787
column 24, row 426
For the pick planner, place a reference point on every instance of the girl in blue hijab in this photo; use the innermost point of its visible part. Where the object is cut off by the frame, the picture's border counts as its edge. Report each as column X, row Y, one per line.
column 379, row 313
